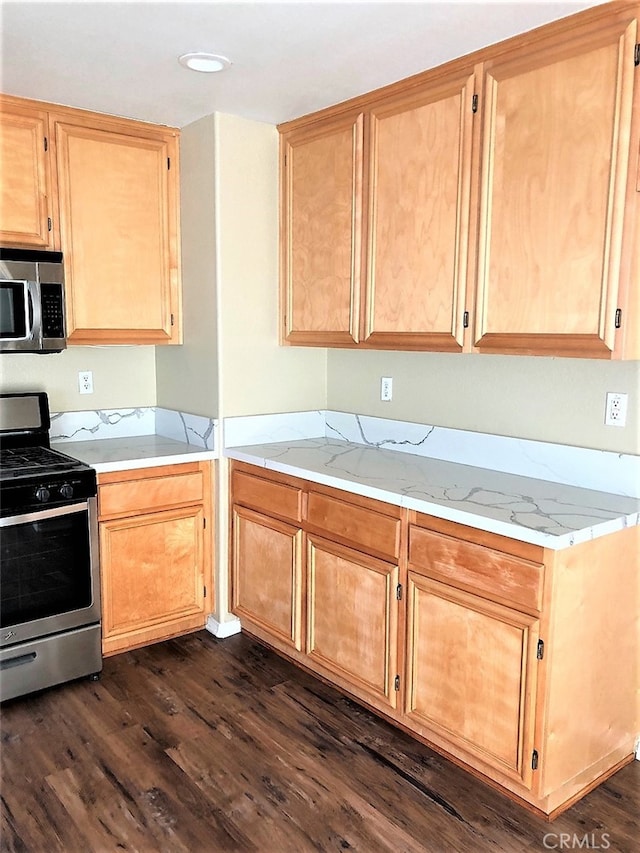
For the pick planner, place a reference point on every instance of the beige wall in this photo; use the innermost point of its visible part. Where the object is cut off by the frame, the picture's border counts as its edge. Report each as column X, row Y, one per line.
column 123, row 377
column 559, row 400
column 257, row 376
column 187, row 375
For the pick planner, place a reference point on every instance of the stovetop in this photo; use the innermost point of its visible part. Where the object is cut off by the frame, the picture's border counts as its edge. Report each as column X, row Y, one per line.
column 16, row 462
column 32, row 476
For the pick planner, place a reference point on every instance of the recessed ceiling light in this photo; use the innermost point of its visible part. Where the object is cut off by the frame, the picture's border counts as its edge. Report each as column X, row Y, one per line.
column 207, row 62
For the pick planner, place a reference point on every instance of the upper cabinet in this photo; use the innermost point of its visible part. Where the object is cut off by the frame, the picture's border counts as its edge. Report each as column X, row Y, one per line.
column 554, row 178
column 492, row 208
column 419, row 181
column 26, row 195
column 109, row 190
column 322, row 232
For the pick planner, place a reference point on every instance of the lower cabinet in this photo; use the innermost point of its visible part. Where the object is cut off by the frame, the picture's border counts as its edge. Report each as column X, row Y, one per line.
column 155, row 553
column 471, row 669
column 352, row 619
column 515, row 661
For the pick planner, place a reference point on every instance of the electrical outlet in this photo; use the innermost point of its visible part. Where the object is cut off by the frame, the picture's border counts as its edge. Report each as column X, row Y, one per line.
column 386, row 389
column 616, row 409
column 85, row 382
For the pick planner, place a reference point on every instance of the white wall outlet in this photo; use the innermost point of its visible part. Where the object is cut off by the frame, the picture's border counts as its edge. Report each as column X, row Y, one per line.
column 85, row 382
column 386, row 389
column 616, row 409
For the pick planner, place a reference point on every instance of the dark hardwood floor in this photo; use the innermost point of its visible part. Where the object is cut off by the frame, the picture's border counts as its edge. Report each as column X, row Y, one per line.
column 201, row 745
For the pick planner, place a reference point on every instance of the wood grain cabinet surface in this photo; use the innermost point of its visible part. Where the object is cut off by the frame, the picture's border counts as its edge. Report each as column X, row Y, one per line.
column 487, row 205
column 26, row 188
column 105, row 191
column 515, row 661
column 155, row 553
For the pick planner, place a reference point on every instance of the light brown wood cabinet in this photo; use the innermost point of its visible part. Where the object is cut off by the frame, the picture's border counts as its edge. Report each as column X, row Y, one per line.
column 488, row 205
column 515, row 661
column 155, row 553
column 315, row 574
column 105, row 191
column 267, row 563
column 26, row 189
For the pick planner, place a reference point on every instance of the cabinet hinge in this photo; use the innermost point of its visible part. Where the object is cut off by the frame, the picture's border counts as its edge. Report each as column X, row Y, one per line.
column 636, row 55
column 46, row 144
column 49, row 223
column 474, row 104
column 465, row 320
column 168, row 163
column 540, row 650
column 534, row 760
column 618, row 318
column 399, row 592
column 396, row 683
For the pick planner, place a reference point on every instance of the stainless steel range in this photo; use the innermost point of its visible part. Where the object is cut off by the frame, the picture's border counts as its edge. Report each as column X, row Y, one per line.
column 49, row 570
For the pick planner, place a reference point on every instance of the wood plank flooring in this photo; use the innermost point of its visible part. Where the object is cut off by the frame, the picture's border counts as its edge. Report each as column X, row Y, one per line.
column 206, row 745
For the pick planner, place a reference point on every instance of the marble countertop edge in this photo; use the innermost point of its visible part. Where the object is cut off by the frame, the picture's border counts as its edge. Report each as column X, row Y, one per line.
column 513, row 530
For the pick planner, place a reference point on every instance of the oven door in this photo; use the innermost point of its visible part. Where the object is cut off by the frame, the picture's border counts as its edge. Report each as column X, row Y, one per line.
column 49, row 572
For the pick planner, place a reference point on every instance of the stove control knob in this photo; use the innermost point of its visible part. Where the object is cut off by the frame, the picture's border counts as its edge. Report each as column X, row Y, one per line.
column 66, row 490
column 42, row 494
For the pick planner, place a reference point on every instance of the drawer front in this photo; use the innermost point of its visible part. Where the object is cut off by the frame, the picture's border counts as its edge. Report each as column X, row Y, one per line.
column 476, row 567
column 363, row 528
column 266, row 495
column 150, row 493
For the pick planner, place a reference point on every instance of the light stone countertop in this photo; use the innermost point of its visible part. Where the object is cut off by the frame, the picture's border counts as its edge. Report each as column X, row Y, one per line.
column 140, row 451
column 531, row 510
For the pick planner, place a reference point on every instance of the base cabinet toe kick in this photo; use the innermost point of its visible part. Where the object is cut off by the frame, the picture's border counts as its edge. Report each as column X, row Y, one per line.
column 515, row 661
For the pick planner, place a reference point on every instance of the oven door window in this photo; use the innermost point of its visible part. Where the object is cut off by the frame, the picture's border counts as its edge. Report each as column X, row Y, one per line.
column 45, row 568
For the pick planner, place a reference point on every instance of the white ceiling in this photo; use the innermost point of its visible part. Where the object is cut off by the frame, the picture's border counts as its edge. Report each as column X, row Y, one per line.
column 288, row 58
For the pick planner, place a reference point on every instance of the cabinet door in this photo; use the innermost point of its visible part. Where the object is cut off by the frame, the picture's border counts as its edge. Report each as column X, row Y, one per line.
column 152, row 569
column 419, row 210
column 471, row 676
column 25, row 190
column 554, row 178
column 118, row 209
column 267, row 575
column 352, row 619
column 321, row 229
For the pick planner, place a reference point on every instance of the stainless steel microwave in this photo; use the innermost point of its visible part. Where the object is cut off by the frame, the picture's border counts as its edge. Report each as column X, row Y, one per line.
column 32, row 307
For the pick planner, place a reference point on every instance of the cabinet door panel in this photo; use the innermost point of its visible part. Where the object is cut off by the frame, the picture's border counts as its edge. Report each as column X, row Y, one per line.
column 25, row 189
column 555, row 166
column 471, row 674
column 352, row 617
column 152, row 573
column 321, row 233
column 267, row 575
column 118, row 235
column 419, row 196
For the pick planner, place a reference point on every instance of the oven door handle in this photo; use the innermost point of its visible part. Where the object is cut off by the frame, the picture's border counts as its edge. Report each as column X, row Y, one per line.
column 43, row 514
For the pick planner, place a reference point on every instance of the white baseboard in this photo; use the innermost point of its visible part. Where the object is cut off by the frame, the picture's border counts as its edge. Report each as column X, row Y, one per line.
column 221, row 630
column 638, row 748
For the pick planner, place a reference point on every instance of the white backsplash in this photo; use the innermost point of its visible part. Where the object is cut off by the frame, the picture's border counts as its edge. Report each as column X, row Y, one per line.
column 195, row 430
column 573, row 466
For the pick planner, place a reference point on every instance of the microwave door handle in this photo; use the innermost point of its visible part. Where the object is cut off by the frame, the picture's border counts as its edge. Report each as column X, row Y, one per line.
column 34, row 311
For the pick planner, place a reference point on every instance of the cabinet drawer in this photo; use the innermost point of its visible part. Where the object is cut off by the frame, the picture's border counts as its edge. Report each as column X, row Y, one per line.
column 267, row 495
column 150, row 493
column 476, row 567
column 362, row 527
